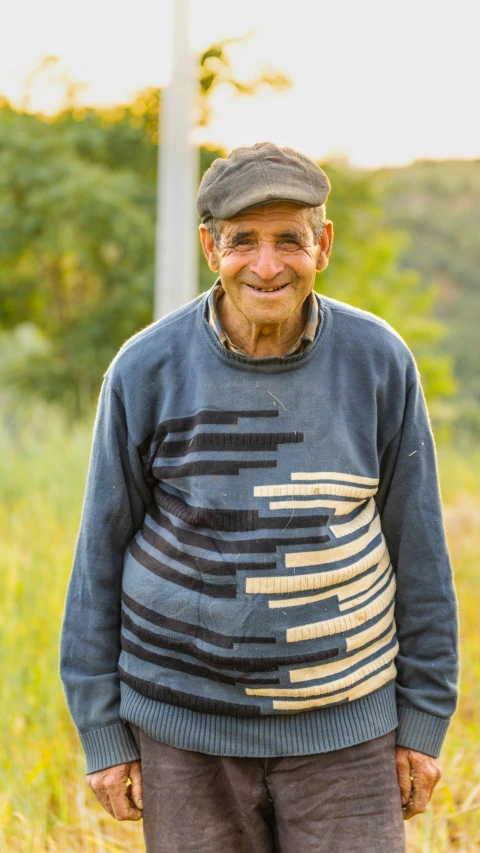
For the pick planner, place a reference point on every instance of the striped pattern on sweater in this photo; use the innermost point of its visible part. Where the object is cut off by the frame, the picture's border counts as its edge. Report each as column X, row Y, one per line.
column 310, row 550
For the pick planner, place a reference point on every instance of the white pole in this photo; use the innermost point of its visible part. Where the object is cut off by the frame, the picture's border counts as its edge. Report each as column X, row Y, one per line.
column 176, row 269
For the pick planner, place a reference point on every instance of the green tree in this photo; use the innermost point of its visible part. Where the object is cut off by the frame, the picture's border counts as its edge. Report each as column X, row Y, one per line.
column 77, row 227
column 77, row 215
column 366, row 270
column 77, row 251
column 438, row 205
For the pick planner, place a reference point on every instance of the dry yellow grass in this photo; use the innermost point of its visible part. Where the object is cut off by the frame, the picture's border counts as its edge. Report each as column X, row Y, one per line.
column 44, row 804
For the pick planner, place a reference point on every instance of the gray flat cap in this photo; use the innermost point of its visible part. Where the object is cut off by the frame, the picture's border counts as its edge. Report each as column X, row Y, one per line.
column 256, row 175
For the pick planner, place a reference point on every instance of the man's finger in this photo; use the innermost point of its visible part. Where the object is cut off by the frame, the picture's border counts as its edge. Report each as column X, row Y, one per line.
column 417, row 805
column 136, row 790
column 101, row 794
column 122, row 807
column 404, row 775
column 423, row 774
column 110, row 789
column 119, row 794
column 104, row 800
column 425, row 777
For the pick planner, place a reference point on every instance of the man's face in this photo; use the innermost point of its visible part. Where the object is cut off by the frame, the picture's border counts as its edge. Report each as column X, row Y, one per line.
column 267, row 260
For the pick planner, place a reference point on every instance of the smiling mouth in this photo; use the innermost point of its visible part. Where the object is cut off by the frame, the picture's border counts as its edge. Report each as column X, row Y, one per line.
column 268, row 289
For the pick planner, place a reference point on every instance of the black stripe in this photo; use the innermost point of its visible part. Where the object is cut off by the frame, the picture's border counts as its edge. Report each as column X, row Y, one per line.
column 181, row 627
column 206, row 416
column 209, row 466
column 233, row 520
column 225, row 442
column 229, row 546
column 169, row 574
column 190, row 668
column 265, row 664
column 201, row 564
column 186, row 700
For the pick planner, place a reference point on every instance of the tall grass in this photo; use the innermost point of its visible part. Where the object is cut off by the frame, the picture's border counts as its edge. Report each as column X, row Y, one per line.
column 44, row 803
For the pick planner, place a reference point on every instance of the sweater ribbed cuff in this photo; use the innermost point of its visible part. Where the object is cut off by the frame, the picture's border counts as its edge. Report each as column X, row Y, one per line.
column 106, row 747
column 421, row 732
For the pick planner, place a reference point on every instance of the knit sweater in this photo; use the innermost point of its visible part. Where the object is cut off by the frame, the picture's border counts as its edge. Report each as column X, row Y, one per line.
column 261, row 566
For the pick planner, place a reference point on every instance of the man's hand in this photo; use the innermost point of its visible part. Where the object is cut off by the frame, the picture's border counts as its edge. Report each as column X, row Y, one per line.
column 417, row 776
column 119, row 790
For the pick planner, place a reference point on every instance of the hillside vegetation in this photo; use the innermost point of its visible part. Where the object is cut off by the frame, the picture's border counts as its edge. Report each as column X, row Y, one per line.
column 438, row 205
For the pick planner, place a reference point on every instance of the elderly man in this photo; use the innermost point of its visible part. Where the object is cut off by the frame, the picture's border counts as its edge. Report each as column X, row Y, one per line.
column 260, row 625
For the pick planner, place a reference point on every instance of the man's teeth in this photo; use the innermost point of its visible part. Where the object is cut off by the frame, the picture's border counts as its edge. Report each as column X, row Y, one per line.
column 268, row 289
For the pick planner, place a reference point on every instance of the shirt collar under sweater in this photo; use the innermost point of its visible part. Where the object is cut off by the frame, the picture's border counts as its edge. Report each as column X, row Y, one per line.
column 304, row 342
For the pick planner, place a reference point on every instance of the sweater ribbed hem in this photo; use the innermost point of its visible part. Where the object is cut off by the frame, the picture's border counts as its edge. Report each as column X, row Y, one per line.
column 322, row 730
column 106, row 747
column 422, row 732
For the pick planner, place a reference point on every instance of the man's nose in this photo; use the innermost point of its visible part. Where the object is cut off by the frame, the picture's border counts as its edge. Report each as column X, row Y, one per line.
column 266, row 263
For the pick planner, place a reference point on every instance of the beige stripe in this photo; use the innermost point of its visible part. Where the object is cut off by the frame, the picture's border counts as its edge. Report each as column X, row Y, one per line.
column 363, row 637
column 339, row 683
column 273, row 585
column 367, row 686
column 314, row 489
column 334, row 475
column 341, row 624
column 361, row 599
column 344, row 592
column 297, row 559
column 337, row 666
column 341, row 507
column 361, row 520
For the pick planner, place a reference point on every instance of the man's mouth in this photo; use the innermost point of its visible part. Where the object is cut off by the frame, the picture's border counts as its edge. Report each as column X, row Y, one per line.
column 268, row 289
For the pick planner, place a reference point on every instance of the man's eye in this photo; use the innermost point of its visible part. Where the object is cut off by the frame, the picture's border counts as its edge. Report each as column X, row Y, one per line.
column 289, row 244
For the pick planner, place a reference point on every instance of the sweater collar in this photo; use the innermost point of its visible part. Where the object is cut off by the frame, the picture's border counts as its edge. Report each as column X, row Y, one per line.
column 270, row 364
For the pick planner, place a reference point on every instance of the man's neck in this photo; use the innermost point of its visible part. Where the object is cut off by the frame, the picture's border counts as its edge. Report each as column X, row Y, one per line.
column 261, row 341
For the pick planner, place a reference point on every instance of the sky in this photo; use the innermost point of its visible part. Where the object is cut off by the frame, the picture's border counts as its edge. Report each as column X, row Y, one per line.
column 378, row 82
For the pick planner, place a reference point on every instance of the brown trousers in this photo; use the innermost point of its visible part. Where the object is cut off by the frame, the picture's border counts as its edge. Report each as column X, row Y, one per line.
column 347, row 801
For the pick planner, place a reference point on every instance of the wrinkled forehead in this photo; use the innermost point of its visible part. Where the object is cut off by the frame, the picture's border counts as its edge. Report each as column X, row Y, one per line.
column 272, row 217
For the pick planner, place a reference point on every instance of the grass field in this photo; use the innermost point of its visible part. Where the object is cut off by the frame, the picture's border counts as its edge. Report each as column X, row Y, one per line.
column 44, row 803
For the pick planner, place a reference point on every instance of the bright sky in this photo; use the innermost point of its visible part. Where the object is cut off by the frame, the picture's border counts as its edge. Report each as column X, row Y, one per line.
column 380, row 81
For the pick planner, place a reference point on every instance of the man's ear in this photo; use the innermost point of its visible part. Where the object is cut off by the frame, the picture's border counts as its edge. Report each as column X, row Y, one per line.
column 208, row 247
column 325, row 244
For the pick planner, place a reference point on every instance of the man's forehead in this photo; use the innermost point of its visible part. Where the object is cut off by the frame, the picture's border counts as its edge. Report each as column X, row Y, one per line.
column 271, row 216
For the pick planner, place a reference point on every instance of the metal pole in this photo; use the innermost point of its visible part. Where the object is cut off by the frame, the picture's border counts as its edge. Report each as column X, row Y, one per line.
column 176, row 267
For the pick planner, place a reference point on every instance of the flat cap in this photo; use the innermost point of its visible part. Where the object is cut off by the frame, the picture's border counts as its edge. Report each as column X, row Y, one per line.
column 255, row 175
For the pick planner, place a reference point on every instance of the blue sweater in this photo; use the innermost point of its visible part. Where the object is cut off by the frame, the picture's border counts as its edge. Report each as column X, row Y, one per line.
column 261, row 566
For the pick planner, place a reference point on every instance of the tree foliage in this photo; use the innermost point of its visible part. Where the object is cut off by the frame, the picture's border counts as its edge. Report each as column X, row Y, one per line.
column 216, row 70
column 365, row 271
column 438, row 205
column 77, row 243
column 77, row 227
